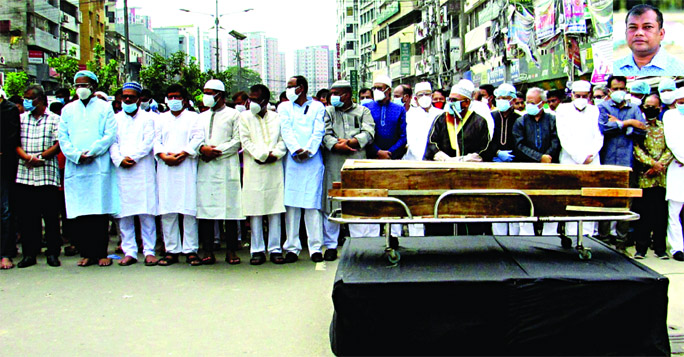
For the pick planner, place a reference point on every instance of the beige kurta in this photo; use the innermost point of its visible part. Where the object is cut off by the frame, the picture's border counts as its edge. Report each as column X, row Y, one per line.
column 219, row 194
column 264, row 184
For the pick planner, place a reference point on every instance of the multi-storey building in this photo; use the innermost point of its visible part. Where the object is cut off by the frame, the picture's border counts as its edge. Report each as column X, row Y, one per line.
column 260, row 54
column 348, row 40
column 313, row 63
column 92, row 29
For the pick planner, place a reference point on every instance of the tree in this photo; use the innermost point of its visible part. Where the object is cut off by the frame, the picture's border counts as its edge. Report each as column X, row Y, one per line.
column 237, row 79
column 163, row 72
column 108, row 74
column 66, row 67
column 15, row 83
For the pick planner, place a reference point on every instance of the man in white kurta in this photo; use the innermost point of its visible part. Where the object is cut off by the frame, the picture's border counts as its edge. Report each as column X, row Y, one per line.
column 580, row 137
column 263, row 189
column 178, row 135
column 302, row 126
column 349, row 127
column 86, row 131
column 673, row 123
column 131, row 153
column 418, row 124
column 218, row 173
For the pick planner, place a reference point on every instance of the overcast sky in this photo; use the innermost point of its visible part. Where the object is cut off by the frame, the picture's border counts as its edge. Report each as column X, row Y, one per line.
column 296, row 24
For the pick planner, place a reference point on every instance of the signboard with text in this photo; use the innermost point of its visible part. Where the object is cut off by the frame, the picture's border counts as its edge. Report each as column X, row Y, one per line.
column 405, row 57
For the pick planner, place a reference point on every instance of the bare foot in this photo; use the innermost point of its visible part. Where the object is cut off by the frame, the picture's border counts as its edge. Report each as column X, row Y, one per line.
column 104, row 262
column 6, row 264
column 83, row 262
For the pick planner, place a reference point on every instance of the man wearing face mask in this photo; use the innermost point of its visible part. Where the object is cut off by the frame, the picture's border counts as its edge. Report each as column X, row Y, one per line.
column 264, row 185
column 439, row 97
column 37, row 183
column 240, row 99
column 131, row 153
column 666, row 89
column 402, row 95
column 487, row 95
column 178, row 136
column 652, row 159
column 536, row 139
column 620, row 123
column 349, row 128
column 502, row 144
column 147, row 103
column 673, row 126
column 302, row 124
column 86, row 131
column 219, row 195
column 580, row 137
column 638, row 90
column 365, row 96
column 599, row 95
column 389, row 142
column 419, row 121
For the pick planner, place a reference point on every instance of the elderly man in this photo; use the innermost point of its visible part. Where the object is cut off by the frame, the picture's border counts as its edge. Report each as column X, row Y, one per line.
column 219, row 195
column 390, row 123
column 644, row 32
column 37, row 184
column 403, row 95
column 131, row 153
column 580, row 137
column 620, row 123
column 502, row 144
column 302, row 125
column 673, row 124
column 349, row 128
column 599, row 95
column 86, row 131
column 264, row 185
column 419, row 121
column 178, row 136
column 638, row 90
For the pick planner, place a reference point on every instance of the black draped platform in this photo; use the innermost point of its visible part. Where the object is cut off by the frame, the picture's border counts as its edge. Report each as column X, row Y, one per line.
column 484, row 295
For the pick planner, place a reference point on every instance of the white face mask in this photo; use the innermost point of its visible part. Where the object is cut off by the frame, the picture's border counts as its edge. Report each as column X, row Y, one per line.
column 83, row 93
column 634, row 100
column 291, row 94
column 397, row 101
column 598, row 101
column 366, row 101
column 580, row 103
column 667, row 97
column 378, row 96
column 425, row 101
column 254, row 108
column 241, row 108
column 209, row 100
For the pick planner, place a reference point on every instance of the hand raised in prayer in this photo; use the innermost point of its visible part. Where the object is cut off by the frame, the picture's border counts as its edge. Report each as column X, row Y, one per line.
column 589, row 160
column 127, row 162
column 384, row 155
column 546, row 159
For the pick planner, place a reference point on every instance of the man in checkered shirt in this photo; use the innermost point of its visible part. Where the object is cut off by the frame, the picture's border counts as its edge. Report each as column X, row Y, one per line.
column 37, row 184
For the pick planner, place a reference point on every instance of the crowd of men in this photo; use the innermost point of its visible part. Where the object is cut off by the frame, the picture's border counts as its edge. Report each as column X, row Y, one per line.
column 194, row 172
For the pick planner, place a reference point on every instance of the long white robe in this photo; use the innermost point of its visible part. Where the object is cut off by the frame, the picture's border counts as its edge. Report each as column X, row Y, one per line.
column 219, row 194
column 303, row 127
column 89, row 189
column 418, row 125
column 177, row 185
column 579, row 134
column 673, row 123
column 264, row 184
column 137, row 184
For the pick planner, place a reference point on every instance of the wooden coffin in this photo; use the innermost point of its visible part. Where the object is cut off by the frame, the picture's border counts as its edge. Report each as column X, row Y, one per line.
column 555, row 190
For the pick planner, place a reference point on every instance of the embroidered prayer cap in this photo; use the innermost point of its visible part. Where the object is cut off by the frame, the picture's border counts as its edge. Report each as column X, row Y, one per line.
column 464, row 87
column 341, row 84
column 422, row 87
column 384, row 79
column 581, row 86
column 133, row 85
column 505, row 90
column 215, row 84
column 86, row 73
column 639, row 87
column 667, row 84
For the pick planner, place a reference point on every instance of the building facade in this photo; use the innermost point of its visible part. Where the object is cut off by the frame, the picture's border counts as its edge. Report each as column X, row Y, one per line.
column 261, row 54
column 313, row 63
column 92, row 28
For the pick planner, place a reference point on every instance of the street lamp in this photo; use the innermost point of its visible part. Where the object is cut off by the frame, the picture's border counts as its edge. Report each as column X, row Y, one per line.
column 216, row 25
column 239, row 37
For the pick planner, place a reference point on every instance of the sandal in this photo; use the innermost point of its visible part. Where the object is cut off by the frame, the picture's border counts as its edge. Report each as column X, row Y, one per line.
column 232, row 258
column 193, row 259
column 277, row 258
column 85, row 262
column 258, row 258
column 104, row 262
column 151, row 263
column 210, row 260
column 169, row 259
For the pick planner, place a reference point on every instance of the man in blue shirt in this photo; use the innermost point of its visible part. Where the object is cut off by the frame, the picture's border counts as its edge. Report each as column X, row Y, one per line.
column 620, row 123
column 390, row 122
column 644, row 33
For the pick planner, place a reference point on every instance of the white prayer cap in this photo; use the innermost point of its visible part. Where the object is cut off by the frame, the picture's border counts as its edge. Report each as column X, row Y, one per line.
column 679, row 93
column 423, row 86
column 215, row 84
column 341, row 84
column 581, row 86
column 464, row 87
column 505, row 90
column 384, row 79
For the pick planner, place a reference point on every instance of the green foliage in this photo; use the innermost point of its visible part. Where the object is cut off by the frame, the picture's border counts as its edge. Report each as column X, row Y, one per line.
column 108, row 74
column 163, row 72
column 15, row 83
column 66, row 67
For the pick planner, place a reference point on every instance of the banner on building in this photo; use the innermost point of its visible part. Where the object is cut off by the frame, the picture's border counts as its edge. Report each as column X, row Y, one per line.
column 544, row 19
column 602, row 55
column 574, row 55
column 574, row 16
column 405, row 57
column 520, row 33
column 601, row 12
column 354, row 82
column 36, row 57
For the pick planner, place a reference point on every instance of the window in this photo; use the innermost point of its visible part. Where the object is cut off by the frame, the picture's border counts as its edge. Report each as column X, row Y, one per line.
column 350, row 28
column 350, row 45
column 350, row 11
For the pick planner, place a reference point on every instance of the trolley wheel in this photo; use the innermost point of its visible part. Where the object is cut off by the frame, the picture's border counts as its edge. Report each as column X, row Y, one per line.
column 566, row 242
column 585, row 254
column 393, row 256
column 394, row 242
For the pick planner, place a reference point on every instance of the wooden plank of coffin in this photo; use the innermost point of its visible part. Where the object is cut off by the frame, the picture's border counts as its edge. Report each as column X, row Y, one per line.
column 611, row 192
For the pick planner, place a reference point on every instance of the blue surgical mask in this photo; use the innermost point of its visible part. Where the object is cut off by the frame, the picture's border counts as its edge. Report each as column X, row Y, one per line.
column 618, row 96
column 532, row 109
column 397, row 101
column 129, row 108
column 366, row 101
column 28, row 105
column 61, row 100
column 336, row 101
column 503, row 105
column 680, row 107
column 454, row 107
column 176, row 105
